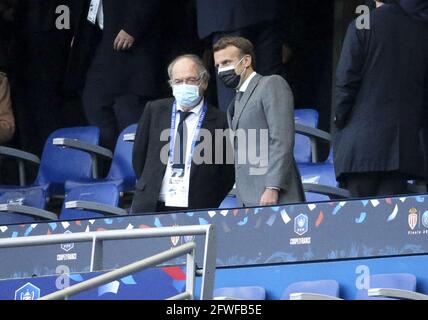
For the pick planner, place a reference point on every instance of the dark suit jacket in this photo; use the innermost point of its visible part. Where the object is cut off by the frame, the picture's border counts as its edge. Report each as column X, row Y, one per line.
column 209, row 183
column 231, row 15
column 416, row 8
column 381, row 95
column 134, row 71
column 38, row 15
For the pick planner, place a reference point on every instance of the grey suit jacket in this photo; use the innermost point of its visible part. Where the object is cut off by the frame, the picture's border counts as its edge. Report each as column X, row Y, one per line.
column 263, row 125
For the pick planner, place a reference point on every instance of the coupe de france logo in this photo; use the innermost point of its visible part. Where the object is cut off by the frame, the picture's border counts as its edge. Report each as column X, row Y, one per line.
column 27, row 292
column 301, row 223
column 413, row 218
column 67, row 246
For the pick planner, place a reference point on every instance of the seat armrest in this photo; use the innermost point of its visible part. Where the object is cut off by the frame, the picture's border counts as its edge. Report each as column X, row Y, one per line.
column 130, row 137
column 313, row 134
column 332, row 192
column 396, row 293
column 22, row 157
column 19, row 154
column 29, row 211
column 311, row 296
column 83, row 146
column 97, row 207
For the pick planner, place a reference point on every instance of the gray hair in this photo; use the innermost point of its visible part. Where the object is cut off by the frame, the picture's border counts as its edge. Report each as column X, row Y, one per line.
column 203, row 73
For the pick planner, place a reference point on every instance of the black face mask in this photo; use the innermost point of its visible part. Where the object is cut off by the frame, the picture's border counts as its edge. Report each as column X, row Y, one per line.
column 230, row 78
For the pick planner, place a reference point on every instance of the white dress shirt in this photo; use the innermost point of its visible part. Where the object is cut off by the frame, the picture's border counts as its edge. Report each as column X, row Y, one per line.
column 100, row 15
column 246, row 83
column 191, row 124
column 96, row 13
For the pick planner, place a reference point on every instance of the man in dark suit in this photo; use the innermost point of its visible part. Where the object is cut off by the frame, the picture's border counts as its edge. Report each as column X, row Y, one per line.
column 124, row 72
column 37, row 66
column 169, row 176
column 381, row 103
column 256, row 20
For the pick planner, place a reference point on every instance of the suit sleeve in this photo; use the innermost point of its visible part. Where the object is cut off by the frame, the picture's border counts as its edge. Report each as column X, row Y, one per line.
column 278, row 105
column 139, row 151
column 349, row 73
column 140, row 15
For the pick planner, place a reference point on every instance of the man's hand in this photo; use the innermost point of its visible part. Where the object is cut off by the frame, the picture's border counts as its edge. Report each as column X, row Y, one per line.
column 123, row 41
column 269, row 197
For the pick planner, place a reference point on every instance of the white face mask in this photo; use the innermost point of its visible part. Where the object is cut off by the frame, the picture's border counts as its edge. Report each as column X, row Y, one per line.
column 186, row 95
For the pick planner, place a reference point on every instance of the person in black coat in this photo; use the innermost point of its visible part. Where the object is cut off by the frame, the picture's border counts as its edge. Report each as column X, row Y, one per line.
column 209, row 183
column 124, row 71
column 37, row 65
column 381, row 103
column 256, row 20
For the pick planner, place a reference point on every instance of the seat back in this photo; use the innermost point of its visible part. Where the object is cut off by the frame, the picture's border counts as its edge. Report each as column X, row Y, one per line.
column 105, row 193
column 302, row 145
column 31, row 197
column 229, row 202
column 241, row 293
column 325, row 287
column 402, row 281
column 121, row 166
column 61, row 164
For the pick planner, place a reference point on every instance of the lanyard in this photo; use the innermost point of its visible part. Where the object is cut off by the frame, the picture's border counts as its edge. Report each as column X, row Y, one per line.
column 195, row 136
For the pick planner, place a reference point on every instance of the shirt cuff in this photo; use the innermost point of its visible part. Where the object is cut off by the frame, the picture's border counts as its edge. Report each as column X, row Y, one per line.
column 274, row 188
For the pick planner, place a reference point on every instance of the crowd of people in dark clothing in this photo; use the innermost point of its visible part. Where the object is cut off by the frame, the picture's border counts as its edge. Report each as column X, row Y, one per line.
column 72, row 77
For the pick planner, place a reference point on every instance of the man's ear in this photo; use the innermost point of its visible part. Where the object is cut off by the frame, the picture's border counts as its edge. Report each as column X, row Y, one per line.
column 204, row 87
column 248, row 61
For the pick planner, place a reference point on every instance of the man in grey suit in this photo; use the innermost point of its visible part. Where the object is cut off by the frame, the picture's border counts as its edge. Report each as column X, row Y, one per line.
column 262, row 119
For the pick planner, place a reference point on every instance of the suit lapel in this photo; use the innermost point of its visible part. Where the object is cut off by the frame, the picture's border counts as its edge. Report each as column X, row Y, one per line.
column 165, row 123
column 244, row 100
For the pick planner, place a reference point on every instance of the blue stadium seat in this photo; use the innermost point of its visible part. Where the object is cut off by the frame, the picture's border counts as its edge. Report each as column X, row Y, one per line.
column 31, row 197
column 390, row 287
column 91, row 201
column 83, row 202
column 312, row 290
column 229, row 202
column 57, row 164
column 302, row 146
column 240, row 293
column 121, row 172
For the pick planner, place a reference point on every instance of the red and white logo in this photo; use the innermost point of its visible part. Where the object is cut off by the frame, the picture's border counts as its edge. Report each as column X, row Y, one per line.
column 413, row 218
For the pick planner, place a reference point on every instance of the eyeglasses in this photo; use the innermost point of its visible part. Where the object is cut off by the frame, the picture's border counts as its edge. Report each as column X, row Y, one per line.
column 191, row 80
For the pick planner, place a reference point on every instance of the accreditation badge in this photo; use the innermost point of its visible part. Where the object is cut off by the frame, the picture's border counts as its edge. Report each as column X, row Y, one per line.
column 93, row 11
column 177, row 194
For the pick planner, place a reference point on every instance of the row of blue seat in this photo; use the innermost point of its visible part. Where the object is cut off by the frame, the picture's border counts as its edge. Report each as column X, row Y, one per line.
column 68, row 169
column 382, row 287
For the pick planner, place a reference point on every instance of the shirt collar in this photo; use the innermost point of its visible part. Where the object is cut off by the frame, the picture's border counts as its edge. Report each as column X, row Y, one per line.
column 196, row 110
column 246, row 83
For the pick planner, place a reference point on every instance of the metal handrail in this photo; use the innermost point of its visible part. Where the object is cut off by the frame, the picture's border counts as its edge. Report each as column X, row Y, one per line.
column 124, row 272
column 98, row 237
